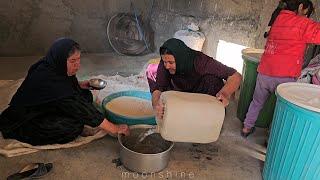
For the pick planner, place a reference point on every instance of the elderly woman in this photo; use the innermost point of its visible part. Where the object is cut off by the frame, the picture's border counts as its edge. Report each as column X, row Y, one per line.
column 51, row 106
column 187, row 70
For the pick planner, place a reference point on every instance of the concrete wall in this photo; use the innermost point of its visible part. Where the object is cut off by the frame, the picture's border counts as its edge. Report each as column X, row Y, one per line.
column 267, row 7
column 28, row 27
column 266, row 11
column 233, row 21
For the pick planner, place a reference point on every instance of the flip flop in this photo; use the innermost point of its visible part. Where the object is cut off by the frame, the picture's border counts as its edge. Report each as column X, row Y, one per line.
column 245, row 135
column 32, row 171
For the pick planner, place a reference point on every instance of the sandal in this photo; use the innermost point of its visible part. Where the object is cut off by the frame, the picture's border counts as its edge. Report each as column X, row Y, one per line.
column 245, row 135
column 32, row 171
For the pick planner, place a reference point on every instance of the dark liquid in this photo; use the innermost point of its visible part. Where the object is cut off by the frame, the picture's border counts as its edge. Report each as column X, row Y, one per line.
column 152, row 144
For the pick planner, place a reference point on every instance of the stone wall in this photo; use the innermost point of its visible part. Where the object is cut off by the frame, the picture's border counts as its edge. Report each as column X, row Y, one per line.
column 233, row 21
column 266, row 11
column 29, row 27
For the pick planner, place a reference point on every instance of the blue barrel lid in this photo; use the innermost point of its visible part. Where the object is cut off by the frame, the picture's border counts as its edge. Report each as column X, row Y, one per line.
column 304, row 95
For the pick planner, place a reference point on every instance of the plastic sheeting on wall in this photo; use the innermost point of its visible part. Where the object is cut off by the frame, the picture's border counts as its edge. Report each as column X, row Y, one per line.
column 192, row 37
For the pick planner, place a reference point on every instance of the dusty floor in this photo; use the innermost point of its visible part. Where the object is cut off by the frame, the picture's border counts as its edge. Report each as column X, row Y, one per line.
column 231, row 157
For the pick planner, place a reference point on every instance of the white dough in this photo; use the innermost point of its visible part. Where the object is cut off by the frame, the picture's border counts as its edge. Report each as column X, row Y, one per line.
column 130, row 107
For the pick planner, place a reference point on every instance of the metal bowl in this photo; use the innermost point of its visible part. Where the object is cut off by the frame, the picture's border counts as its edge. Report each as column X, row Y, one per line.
column 97, row 83
column 144, row 162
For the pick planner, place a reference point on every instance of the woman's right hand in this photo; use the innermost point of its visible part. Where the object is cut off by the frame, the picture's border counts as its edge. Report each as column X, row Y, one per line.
column 113, row 128
column 123, row 129
column 159, row 110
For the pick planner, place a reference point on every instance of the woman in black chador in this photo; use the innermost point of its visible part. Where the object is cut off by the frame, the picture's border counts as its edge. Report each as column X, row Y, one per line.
column 51, row 106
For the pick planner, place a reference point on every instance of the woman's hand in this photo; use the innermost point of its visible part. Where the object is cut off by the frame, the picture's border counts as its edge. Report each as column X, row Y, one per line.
column 123, row 129
column 223, row 97
column 84, row 84
column 159, row 110
column 119, row 129
column 96, row 99
column 113, row 128
column 231, row 85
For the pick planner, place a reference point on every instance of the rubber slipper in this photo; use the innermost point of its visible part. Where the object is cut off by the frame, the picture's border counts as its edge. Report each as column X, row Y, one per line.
column 245, row 135
column 32, row 171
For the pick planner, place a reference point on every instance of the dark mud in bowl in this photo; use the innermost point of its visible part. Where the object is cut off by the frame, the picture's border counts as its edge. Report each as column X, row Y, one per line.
column 150, row 155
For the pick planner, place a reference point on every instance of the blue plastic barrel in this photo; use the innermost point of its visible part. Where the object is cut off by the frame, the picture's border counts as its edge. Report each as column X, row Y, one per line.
column 294, row 144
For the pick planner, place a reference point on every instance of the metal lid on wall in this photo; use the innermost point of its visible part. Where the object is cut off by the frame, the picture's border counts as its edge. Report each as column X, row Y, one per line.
column 129, row 35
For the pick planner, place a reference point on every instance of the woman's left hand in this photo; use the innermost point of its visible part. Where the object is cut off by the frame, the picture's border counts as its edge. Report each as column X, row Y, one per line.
column 159, row 110
column 96, row 99
column 221, row 96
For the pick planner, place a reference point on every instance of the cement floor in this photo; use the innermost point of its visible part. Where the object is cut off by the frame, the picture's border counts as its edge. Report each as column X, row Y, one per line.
column 231, row 157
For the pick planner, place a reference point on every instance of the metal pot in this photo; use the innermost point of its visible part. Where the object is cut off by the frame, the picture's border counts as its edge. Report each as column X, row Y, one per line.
column 140, row 162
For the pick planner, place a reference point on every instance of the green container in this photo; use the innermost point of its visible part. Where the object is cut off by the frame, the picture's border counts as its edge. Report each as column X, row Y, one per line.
column 251, row 58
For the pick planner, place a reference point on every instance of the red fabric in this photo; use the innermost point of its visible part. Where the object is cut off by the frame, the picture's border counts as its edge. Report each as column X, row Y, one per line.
column 286, row 44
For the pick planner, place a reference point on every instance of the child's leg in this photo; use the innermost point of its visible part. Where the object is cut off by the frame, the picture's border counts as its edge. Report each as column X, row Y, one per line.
column 273, row 86
column 261, row 93
column 264, row 86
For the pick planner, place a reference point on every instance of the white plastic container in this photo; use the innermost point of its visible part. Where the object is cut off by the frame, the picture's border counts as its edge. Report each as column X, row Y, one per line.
column 192, row 37
column 190, row 117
